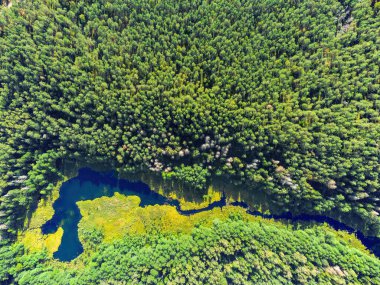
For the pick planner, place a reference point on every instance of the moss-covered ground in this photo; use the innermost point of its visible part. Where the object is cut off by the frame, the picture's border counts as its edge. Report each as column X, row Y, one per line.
column 121, row 215
column 32, row 236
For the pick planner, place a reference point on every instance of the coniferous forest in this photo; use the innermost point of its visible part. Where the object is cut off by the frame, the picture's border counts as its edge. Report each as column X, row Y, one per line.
column 278, row 97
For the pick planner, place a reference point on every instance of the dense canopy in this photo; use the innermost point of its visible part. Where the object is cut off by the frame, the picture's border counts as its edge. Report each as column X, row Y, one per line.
column 230, row 252
column 282, row 96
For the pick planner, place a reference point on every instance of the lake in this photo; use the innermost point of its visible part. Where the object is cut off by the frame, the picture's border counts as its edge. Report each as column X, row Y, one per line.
column 90, row 184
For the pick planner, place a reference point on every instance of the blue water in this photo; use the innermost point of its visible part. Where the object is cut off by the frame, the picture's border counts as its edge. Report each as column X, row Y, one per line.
column 90, row 184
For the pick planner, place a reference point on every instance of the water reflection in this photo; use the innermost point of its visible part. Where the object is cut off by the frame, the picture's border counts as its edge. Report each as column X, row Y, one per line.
column 90, row 184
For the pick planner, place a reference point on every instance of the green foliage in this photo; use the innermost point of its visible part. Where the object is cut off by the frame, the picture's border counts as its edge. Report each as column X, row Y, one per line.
column 229, row 252
column 284, row 94
column 8, row 261
column 192, row 176
column 240, row 89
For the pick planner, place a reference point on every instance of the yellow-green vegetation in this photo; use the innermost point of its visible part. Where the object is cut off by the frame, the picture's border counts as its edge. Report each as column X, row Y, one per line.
column 123, row 241
column 120, row 215
column 31, row 236
column 44, row 210
column 210, row 197
column 189, row 198
column 34, row 240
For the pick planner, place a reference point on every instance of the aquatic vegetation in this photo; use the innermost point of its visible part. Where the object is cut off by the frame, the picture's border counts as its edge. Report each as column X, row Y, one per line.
column 31, row 236
column 90, row 185
column 120, row 236
column 209, row 197
column 34, row 240
column 120, row 215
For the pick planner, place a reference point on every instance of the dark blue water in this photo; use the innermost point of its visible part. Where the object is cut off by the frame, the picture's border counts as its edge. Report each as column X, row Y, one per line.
column 89, row 185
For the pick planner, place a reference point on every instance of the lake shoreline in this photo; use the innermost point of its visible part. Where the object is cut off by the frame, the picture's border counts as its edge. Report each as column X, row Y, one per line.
column 153, row 198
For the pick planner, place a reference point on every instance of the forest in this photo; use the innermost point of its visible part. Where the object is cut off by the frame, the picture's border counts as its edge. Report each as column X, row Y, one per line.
column 229, row 252
column 278, row 96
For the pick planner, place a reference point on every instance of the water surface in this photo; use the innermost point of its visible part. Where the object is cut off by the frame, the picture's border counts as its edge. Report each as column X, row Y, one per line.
column 90, row 184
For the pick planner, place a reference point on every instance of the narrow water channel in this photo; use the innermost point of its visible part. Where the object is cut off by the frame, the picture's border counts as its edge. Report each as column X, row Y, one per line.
column 90, row 184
